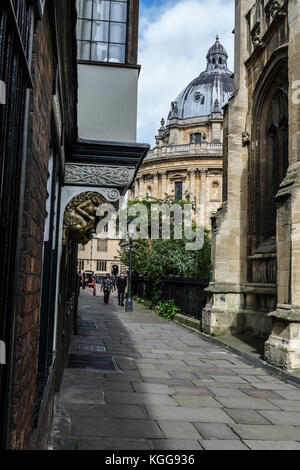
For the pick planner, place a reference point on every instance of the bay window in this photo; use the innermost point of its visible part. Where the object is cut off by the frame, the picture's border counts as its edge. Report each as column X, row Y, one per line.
column 102, row 30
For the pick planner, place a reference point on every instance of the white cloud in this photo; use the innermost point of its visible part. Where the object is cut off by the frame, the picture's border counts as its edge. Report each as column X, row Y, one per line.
column 174, row 40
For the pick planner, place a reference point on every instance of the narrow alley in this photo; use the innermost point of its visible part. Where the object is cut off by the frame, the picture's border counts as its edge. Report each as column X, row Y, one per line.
column 135, row 381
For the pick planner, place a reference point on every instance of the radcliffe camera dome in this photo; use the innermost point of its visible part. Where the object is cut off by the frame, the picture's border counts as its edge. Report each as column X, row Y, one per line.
column 216, row 83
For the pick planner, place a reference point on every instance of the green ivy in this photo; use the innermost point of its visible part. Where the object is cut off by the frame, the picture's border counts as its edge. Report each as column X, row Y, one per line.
column 167, row 309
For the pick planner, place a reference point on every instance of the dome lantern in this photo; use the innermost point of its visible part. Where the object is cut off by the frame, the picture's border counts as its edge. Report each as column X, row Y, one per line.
column 215, row 83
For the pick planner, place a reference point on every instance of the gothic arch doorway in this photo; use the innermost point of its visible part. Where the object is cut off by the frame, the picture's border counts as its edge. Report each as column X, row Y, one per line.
column 268, row 164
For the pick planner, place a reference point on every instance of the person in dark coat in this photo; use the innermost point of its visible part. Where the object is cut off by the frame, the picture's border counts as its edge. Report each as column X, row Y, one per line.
column 107, row 286
column 121, row 286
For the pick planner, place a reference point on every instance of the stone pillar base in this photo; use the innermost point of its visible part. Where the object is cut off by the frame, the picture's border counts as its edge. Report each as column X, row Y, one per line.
column 234, row 309
column 221, row 314
column 282, row 349
column 217, row 323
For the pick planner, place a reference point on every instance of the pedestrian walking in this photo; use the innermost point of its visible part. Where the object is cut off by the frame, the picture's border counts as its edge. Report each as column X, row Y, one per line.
column 107, row 286
column 121, row 286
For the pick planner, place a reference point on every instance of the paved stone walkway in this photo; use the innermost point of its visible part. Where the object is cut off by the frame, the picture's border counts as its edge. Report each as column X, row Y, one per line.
column 173, row 390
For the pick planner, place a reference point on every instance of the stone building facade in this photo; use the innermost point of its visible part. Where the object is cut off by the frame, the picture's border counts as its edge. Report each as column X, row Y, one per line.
column 255, row 278
column 100, row 256
column 187, row 159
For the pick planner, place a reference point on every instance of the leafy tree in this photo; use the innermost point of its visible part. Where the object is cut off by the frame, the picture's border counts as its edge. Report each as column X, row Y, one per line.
column 157, row 260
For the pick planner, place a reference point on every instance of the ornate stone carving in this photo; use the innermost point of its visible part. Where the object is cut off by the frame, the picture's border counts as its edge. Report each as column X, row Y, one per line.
column 274, row 9
column 256, row 36
column 80, row 217
column 246, row 138
column 97, row 175
column 111, row 195
column 174, row 105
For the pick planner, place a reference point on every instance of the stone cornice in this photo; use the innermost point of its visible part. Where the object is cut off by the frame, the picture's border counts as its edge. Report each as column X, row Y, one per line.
column 97, row 175
column 169, row 159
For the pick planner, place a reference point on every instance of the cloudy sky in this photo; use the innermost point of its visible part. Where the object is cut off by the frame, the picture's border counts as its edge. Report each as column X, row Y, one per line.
column 175, row 36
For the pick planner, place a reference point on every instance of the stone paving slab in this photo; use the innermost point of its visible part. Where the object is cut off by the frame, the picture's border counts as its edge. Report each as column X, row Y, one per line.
column 140, row 398
column 109, row 444
column 247, row 403
column 282, row 417
column 179, row 430
column 242, row 416
column 262, row 432
column 216, row 431
column 223, row 445
column 176, row 444
column 116, row 428
column 175, row 390
column 273, row 445
column 189, row 414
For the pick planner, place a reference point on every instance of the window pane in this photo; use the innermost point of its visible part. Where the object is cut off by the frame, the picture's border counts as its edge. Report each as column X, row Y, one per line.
column 117, row 32
column 100, row 31
column 101, row 10
column 84, row 29
column 84, row 50
column 99, row 52
column 85, row 8
column 178, row 191
column 118, row 11
column 116, row 53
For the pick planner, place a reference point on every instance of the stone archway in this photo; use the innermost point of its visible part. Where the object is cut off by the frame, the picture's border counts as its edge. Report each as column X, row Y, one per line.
column 78, row 222
column 268, row 164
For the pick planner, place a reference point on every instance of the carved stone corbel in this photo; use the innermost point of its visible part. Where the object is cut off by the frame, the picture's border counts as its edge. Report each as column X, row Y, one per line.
column 256, row 36
column 246, row 138
column 80, row 217
column 274, row 9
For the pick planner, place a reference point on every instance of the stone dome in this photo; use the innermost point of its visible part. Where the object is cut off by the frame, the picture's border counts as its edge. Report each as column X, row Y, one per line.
column 209, row 91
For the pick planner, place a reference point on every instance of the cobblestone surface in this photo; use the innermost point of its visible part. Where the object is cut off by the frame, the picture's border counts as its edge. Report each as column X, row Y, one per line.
column 173, row 390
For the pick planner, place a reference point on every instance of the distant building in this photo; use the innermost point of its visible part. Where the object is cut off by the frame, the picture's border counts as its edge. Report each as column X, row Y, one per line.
column 188, row 158
column 100, row 256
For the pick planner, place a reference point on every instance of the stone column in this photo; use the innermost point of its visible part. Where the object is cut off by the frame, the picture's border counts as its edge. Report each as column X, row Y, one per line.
column 142, row 187
column 192, row 183
column 137, row 187
column 164, row 188
column 155, row 185
column 203, row 195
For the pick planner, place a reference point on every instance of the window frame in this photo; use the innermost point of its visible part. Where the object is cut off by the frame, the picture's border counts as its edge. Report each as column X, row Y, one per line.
column 109, row 44
column 102, row 245
column 131, row 46
column 175, row 190
column 101, row 264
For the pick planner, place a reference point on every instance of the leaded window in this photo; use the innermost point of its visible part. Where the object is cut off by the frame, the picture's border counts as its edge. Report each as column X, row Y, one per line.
column 102, row 30
column 102, row 245
column 101, row 266
column 178, row 190
column 196, row 138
